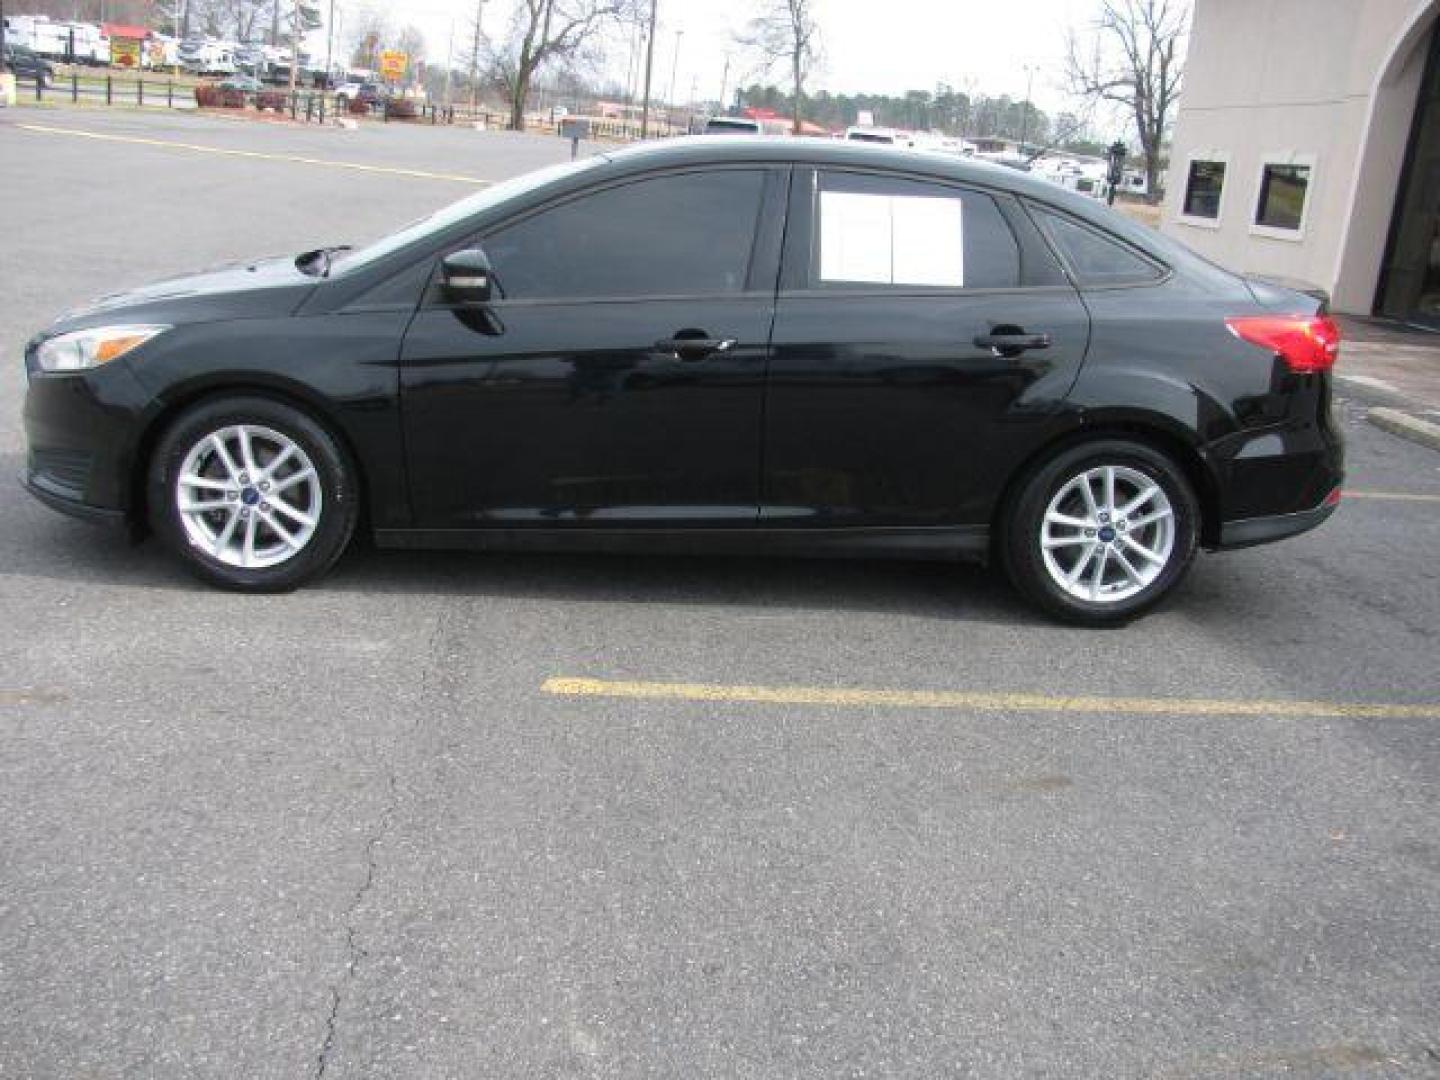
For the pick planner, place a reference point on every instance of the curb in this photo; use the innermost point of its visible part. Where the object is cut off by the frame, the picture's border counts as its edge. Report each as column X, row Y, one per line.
column 1406, row 426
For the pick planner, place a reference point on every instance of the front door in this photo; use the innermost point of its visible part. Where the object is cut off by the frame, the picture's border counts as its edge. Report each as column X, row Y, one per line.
column 923, row 336
column 617, row 379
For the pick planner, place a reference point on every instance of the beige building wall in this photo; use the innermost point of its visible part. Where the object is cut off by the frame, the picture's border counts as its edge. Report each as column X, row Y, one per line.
column 1329, row 83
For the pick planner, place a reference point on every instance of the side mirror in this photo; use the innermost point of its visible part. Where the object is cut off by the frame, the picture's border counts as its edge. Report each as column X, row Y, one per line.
column 465, row 276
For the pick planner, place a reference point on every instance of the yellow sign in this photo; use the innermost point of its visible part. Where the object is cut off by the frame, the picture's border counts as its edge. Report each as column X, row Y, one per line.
column 393, row 64
column 125, row 52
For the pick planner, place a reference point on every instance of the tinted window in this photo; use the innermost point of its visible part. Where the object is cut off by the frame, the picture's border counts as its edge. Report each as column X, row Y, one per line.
column 1096, row 259
column 1282, row 196
column 669, row 235
column 1202, row 189
column 879, row 231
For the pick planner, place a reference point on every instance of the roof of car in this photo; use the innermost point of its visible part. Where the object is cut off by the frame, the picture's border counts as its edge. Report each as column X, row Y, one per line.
column 701, row 149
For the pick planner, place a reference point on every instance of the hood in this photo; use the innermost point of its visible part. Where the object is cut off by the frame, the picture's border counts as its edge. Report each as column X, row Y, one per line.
column 260, row 288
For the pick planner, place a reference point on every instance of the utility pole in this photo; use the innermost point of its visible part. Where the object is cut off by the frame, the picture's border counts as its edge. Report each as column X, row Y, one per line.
column 649, row 64
column 475, row 56
column 724, row 79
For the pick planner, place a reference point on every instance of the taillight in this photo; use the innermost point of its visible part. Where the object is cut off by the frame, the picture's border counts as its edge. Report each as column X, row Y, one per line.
column 1307, row 343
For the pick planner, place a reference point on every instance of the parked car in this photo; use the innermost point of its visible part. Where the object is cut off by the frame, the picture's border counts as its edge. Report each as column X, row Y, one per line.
column 368, row 93
column 246, row 83
column 732, row 125
column 877, row 135
column 779, row 346
column 25, row 65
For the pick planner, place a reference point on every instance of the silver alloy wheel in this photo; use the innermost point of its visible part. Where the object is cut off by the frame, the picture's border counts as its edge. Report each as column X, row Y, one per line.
column 1107, row 534
column 248, row 496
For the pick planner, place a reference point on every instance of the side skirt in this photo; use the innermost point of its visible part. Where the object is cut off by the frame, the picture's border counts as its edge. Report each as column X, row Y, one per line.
column 952, row 543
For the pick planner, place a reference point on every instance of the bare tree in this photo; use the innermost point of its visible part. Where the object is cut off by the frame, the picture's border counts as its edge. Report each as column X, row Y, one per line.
column 785, row 32
column 543, row 31
column 1134, row 60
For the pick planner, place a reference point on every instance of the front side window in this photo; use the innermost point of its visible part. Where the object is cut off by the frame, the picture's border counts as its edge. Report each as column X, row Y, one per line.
column 883, row 231
column 1203, row 185
column 1282, row 196
column 675, row 235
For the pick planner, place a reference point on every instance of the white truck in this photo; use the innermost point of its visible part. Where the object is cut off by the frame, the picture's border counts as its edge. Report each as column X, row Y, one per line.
column 201, row 56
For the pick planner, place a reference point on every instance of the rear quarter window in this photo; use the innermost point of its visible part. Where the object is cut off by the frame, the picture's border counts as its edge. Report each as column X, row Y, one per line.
column 1094, row 258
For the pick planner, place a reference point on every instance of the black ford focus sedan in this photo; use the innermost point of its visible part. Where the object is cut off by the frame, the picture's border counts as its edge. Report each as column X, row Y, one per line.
column 729, row 345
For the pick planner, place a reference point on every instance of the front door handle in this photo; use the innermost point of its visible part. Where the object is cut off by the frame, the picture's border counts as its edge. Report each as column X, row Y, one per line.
column 694, row 348
column 1012, row 344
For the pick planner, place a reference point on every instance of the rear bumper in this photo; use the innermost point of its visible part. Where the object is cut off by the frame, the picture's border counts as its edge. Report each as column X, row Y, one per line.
column 1265, row 530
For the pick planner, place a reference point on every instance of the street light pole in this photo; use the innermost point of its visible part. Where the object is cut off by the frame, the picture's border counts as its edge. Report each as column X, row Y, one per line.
column 475, row 56
column 330, row 46
column 674, row 66
column 1025, row 111
column 724, row 79
column 449, row 61
column 649, row 64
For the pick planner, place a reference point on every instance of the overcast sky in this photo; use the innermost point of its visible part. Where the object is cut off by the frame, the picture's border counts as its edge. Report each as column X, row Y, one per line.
column 884, row 46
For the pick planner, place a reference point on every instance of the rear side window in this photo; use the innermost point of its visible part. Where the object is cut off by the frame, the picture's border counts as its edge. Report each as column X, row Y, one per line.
column 1096, row 259
column 680, row 234
column 887, row 231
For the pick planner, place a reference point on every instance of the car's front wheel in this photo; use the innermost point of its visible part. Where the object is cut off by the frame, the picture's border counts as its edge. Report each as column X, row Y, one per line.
column 253, row 494
column 1102, row 531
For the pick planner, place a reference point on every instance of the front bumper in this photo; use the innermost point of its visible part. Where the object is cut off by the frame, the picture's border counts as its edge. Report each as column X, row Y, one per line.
column 82, row 432
column 66, row 503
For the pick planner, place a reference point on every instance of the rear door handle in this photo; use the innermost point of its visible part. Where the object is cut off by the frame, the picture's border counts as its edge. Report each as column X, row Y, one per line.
column 1012, row 344
column 694, row 348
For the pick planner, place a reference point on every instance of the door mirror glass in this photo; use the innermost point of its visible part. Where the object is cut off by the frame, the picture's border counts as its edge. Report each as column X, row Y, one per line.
column 465, row 276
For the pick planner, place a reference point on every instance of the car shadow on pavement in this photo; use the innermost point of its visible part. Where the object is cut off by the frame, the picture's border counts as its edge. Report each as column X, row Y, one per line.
column 39, row 543
column 933, row 589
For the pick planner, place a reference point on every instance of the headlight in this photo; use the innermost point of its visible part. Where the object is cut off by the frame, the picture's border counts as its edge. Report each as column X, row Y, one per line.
column 84, row 349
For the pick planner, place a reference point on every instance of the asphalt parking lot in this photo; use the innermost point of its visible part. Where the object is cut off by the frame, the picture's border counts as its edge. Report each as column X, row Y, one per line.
column 462, row 816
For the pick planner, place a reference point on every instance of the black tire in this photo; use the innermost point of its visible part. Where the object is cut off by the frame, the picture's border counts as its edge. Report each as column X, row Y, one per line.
column 337, row 484
column 1020, row 540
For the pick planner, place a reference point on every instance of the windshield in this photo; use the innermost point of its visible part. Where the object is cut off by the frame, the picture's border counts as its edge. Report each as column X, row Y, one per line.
column 457, row 212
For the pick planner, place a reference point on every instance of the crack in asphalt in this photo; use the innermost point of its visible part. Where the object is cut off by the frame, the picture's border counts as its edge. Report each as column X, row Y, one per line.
column 436, row 670
column 355, row 952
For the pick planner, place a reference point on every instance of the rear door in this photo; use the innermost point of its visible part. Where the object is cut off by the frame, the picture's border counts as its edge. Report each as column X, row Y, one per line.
column 924, row 335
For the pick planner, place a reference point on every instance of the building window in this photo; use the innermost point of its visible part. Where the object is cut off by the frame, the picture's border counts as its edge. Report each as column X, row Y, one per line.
column 1282, row 196
column 1203, row 185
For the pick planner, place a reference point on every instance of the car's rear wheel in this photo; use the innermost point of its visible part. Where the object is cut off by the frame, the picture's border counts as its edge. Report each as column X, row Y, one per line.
column 1102, row 531
column 253, row 494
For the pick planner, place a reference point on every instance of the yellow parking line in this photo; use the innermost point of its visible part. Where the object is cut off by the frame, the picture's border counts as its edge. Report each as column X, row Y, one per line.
column 258, row 154
column 30, row 697
column 1397, row 496
column 982, row 702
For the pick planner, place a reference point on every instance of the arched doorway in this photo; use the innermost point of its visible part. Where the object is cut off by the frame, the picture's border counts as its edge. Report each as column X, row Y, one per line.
column 1409, row 287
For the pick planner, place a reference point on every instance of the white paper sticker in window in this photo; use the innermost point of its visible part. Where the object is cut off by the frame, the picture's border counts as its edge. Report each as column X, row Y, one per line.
column 891, row 239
